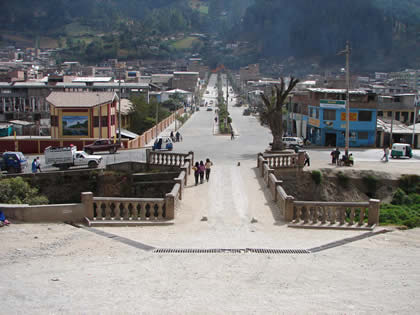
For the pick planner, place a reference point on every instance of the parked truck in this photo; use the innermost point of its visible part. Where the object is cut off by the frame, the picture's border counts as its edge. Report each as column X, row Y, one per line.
column 102, row 145
column 65, row 157
column 13, row 162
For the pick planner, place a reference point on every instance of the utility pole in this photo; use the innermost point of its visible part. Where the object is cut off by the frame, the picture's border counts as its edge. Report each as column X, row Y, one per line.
column 347, row 53
column 416, row 103
column 227, row 94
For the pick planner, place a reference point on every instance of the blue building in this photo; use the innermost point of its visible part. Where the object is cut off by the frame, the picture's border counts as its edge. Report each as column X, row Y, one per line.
column 327, row 124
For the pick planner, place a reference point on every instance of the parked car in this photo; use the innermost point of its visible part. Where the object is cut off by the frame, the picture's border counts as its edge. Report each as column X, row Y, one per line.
column 209, row 108
column 102, row 145
column 401, row 150
column 13, row 162
column 65, row 157
column 163, row 143
column 292, row 142
column 246, row 112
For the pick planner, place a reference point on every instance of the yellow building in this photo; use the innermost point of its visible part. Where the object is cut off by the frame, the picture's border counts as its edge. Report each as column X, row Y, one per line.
column 83, row 114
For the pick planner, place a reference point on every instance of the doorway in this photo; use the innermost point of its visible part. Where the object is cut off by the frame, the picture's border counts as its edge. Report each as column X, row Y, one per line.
column 331, row 139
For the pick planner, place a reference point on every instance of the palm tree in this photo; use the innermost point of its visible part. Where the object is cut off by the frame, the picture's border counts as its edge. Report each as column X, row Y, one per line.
column 272, row 111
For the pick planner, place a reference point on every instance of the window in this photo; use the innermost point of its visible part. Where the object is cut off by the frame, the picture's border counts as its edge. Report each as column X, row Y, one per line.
column 365, row 116
column 363, row 135
column 95, row 121
column 380, row 113
column 397, row 115
column 104, row 121
column 329, row 114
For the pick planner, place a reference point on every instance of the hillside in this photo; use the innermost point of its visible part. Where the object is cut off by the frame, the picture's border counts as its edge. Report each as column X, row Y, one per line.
column 382, row 32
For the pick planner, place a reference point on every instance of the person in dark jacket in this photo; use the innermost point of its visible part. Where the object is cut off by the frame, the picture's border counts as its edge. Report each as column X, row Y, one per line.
column 196, row 169
column 202, row 169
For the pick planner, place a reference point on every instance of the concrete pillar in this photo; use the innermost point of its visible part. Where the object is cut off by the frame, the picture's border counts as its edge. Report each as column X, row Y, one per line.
column 373, row 216
column 301, row 159
column 87, row 201
column 181, row 186
column 288, row 211
column 170, row 206
column 148, row 156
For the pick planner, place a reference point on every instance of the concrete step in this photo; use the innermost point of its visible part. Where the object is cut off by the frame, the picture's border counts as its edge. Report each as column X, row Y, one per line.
column 336, row 226
column 96, row 223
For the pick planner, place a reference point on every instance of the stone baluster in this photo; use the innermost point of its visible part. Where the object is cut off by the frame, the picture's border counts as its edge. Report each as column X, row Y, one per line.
column 351, row 219
column 323, row 214
column 107, row 210
column 298, row 213
column 342, row 215
column 314, row 218
column 306, row 214
column 362, row 216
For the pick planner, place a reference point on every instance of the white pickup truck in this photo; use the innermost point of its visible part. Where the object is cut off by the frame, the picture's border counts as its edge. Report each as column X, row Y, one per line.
column 65, row 157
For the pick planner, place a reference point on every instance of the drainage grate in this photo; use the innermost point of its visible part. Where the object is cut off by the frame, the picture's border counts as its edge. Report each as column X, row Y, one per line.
column 229, row 251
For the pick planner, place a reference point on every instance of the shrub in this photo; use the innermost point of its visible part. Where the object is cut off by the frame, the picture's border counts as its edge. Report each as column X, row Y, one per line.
column 410, row 183
column 17, row 191
column 316, row 177
column 371, row 183
column 408, row 215
column 343, row 179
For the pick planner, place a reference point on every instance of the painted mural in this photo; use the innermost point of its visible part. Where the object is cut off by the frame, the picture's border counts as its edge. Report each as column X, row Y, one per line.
column 75, row 126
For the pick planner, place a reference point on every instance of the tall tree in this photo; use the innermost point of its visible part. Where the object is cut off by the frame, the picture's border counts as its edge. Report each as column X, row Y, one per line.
column 272, row 111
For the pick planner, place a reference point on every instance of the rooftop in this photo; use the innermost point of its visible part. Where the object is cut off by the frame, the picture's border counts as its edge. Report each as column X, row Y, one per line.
column 92, row 79
column 80, row 99
column 337, row 91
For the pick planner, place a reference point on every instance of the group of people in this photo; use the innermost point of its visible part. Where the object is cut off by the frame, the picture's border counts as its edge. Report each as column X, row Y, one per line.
column 177, row 137
column 201, row 168
column 36, row 165
column 347, row 160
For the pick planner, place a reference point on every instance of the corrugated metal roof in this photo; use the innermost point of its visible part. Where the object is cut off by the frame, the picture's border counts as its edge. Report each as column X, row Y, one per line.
column 80, row 99
column 337, row 91
column 92, row 79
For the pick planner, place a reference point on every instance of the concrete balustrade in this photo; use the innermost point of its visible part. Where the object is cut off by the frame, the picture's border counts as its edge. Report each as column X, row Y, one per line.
column 168, row 158
column 314, row 213
column 342, row 213
column 145, row 209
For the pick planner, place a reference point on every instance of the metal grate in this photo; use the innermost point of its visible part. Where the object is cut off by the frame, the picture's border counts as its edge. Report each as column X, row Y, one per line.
column 229, row 251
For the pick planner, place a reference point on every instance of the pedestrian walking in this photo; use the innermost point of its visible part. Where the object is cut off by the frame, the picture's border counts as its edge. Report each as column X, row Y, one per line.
column 38, row 164
column 208, row 166
column 307, row 159
column 196, row 169
column 34, row 167
column 178, row 137
column 387, row 154
column 215, row 120
column 232, row 134
column 337, row 155
column 202, row 170
column 172, row 136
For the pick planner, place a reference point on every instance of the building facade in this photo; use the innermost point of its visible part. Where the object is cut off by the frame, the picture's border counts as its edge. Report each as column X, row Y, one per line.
column 320, row 116
column 83, row 114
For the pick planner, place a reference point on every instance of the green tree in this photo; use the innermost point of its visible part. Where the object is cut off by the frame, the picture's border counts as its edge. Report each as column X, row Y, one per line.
column 143, row 114
column 17, row 191
column 272, row 111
